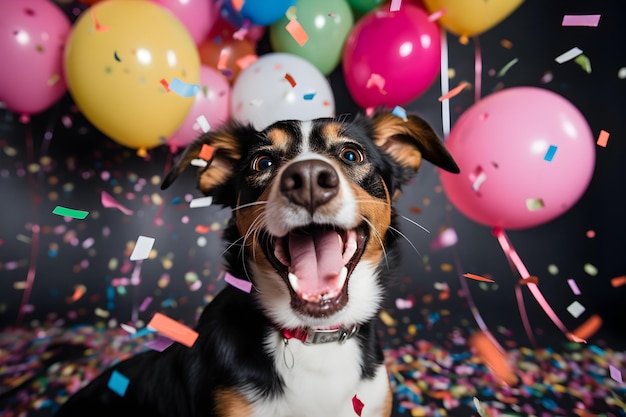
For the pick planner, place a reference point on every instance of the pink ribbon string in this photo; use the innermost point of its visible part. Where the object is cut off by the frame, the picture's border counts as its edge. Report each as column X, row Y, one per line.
column 516, row 261
column 478, row 70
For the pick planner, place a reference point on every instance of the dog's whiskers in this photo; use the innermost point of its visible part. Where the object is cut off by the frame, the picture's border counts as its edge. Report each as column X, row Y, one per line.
column 378, row 237
column 415, row 223
column 243, row 206
column 395, row 230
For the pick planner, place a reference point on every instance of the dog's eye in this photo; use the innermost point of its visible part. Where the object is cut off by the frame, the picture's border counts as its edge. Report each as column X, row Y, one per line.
column 261, row 163
column 351, row 155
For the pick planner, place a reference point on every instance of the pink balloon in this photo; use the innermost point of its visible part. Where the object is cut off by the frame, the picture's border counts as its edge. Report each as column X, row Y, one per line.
column 212, row 104
column 526, row 156
column 32, row 36
column 390, row 58
column 198, row 16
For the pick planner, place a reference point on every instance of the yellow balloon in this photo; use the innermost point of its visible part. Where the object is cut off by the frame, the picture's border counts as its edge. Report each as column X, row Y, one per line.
column 471, row 17
column 120, row 59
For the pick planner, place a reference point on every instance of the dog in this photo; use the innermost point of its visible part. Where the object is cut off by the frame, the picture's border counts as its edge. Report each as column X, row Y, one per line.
column 313, row 229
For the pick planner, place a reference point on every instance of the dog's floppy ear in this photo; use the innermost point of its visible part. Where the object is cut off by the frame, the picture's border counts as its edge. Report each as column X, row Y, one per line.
column 409, row 140
column 213, row 178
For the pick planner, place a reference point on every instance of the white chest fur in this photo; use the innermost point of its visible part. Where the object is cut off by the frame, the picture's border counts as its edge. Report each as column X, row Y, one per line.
column 321, row 380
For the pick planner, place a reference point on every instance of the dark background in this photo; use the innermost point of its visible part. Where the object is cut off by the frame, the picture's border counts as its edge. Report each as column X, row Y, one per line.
column 60, row 159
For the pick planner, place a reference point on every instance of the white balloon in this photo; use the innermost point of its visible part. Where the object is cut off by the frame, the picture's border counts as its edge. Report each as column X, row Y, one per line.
column 264, row 94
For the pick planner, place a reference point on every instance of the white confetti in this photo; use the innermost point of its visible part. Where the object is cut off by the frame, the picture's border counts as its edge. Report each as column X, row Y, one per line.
column 142, row 248
column 569, row 55
column 576, row 309
column 201, row 202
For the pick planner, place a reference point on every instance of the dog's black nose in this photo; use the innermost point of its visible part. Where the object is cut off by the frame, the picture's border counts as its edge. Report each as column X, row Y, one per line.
column 309, row 183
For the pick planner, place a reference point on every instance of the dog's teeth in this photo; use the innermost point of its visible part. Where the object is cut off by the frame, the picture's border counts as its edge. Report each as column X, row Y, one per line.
column 293, row 280
column 343, row 274
column 351, row 248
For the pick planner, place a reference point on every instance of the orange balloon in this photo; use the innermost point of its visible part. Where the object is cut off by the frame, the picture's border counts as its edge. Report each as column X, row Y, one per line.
column 226, row 54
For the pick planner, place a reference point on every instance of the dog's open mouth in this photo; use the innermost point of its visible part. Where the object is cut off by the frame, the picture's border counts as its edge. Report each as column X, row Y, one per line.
column 316, row 263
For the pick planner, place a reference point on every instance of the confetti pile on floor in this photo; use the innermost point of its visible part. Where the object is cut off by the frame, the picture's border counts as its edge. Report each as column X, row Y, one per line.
column 43, row 366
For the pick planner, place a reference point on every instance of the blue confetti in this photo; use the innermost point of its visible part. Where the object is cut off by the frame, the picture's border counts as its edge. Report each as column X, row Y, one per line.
column 550, row 154
column 399, row 112
column 309, row 96
column 118, row 383
column 183, row 89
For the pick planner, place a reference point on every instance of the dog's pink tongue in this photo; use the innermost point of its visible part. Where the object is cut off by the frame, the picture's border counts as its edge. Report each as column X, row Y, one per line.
column 316, row 259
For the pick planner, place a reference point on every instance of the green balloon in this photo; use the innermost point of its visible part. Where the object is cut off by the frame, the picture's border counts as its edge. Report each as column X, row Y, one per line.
column 327, row 24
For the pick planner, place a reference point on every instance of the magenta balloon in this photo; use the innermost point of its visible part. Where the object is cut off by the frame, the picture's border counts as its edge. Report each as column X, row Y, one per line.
column 32, row 36
column 402, row 47
column 526, row 156
column 198, row 16
column 212, row 102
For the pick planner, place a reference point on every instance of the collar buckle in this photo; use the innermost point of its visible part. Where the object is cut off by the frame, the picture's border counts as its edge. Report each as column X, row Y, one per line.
column 341, row 335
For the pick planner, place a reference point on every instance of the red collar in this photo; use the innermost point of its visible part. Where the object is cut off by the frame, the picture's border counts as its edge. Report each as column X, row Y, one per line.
column 310, row 336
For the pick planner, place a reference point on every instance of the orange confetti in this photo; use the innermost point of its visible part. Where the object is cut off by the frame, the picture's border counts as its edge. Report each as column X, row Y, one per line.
column 494, row 358
column 289, row 78
column 586, row 330
column 618, row 281
column 603, row 138
column 202, row 229
column 237, row 4
column 99, row 27
column 478, row 278
column 174, row 330
column 206, row 152
column 297, row 32
column 79, row 291
column 529, row 280
column 455, row 91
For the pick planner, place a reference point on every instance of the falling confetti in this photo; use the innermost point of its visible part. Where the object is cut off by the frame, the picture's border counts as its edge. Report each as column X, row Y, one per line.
column 550, row 153
column 173, row 329
column 591, row 20
column 603, row 138
column 357, row 405
column 569, row 55
column 291, row 80
column 297, row 32
column 241, row 284
column 455, row 91
column 118, row 383
column 68, row 212
column 478, row 278
column 507, row 67
column 206, row 152
column 376, row 80
column 142, row 249
column 201, row 202
column 576, row 309
column 183, row 89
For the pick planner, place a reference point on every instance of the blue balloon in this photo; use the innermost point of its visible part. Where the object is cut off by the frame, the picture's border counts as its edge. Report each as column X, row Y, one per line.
column 258, row 12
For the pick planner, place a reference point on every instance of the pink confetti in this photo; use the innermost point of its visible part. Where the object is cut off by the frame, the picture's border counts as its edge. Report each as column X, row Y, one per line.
column 616, row 374
column 574, row 287
column 245, row 61
column 436, row 15
column 144, row 305
column 378, row 81
column 160, row 343
column 109, row 202
column 591, row 20
column 358, row 405
column 403, row 304
column 240, row 284
column 395, row 5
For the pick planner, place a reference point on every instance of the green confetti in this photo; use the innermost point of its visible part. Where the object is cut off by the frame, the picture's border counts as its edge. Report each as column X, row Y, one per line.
column 584, row 62
column 591, row 270
column 507, row 67
column 68, row 212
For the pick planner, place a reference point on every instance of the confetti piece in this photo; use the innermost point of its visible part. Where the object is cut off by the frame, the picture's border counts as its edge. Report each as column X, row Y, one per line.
column 573, row 286
column 246, row 60
column 591, row 20
column 237, row 4
column 99, row 27
column 616, row 374
column 400, row 112
column 550, row 153
column 79, row 291
column 590, row 269
column 394, row 7
column 534, row 204
column 241, row 284
column 357, row 405
column 68, row 212
column 477, row 178
column 118, row 383
column 477, row 278
column 199, row 163
column 507, row 67
column 222, row 63
column 297, row 32
column 529, row 280
column 53, row 80
column 203, row 123
column 142, row 249
column 404, row 304
column 505, row 43
column 309, row 96
column 109, row 202
column 173, row 329
column 159, row 343
column 145, row 303
column 378, row 81
column 455, row 91
column 165, row 85
column 603, row 138
column 436, row 15
column 618, row 281
column 116, row 56
column 584, row 62
column 201, row 202
column 289, row 78
column 183, row 89
column 586, row 330
column 446, row 238
column 569, row 55
column 495, row 359
column 206, row 152
column 480, row 408
column 576, row 309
